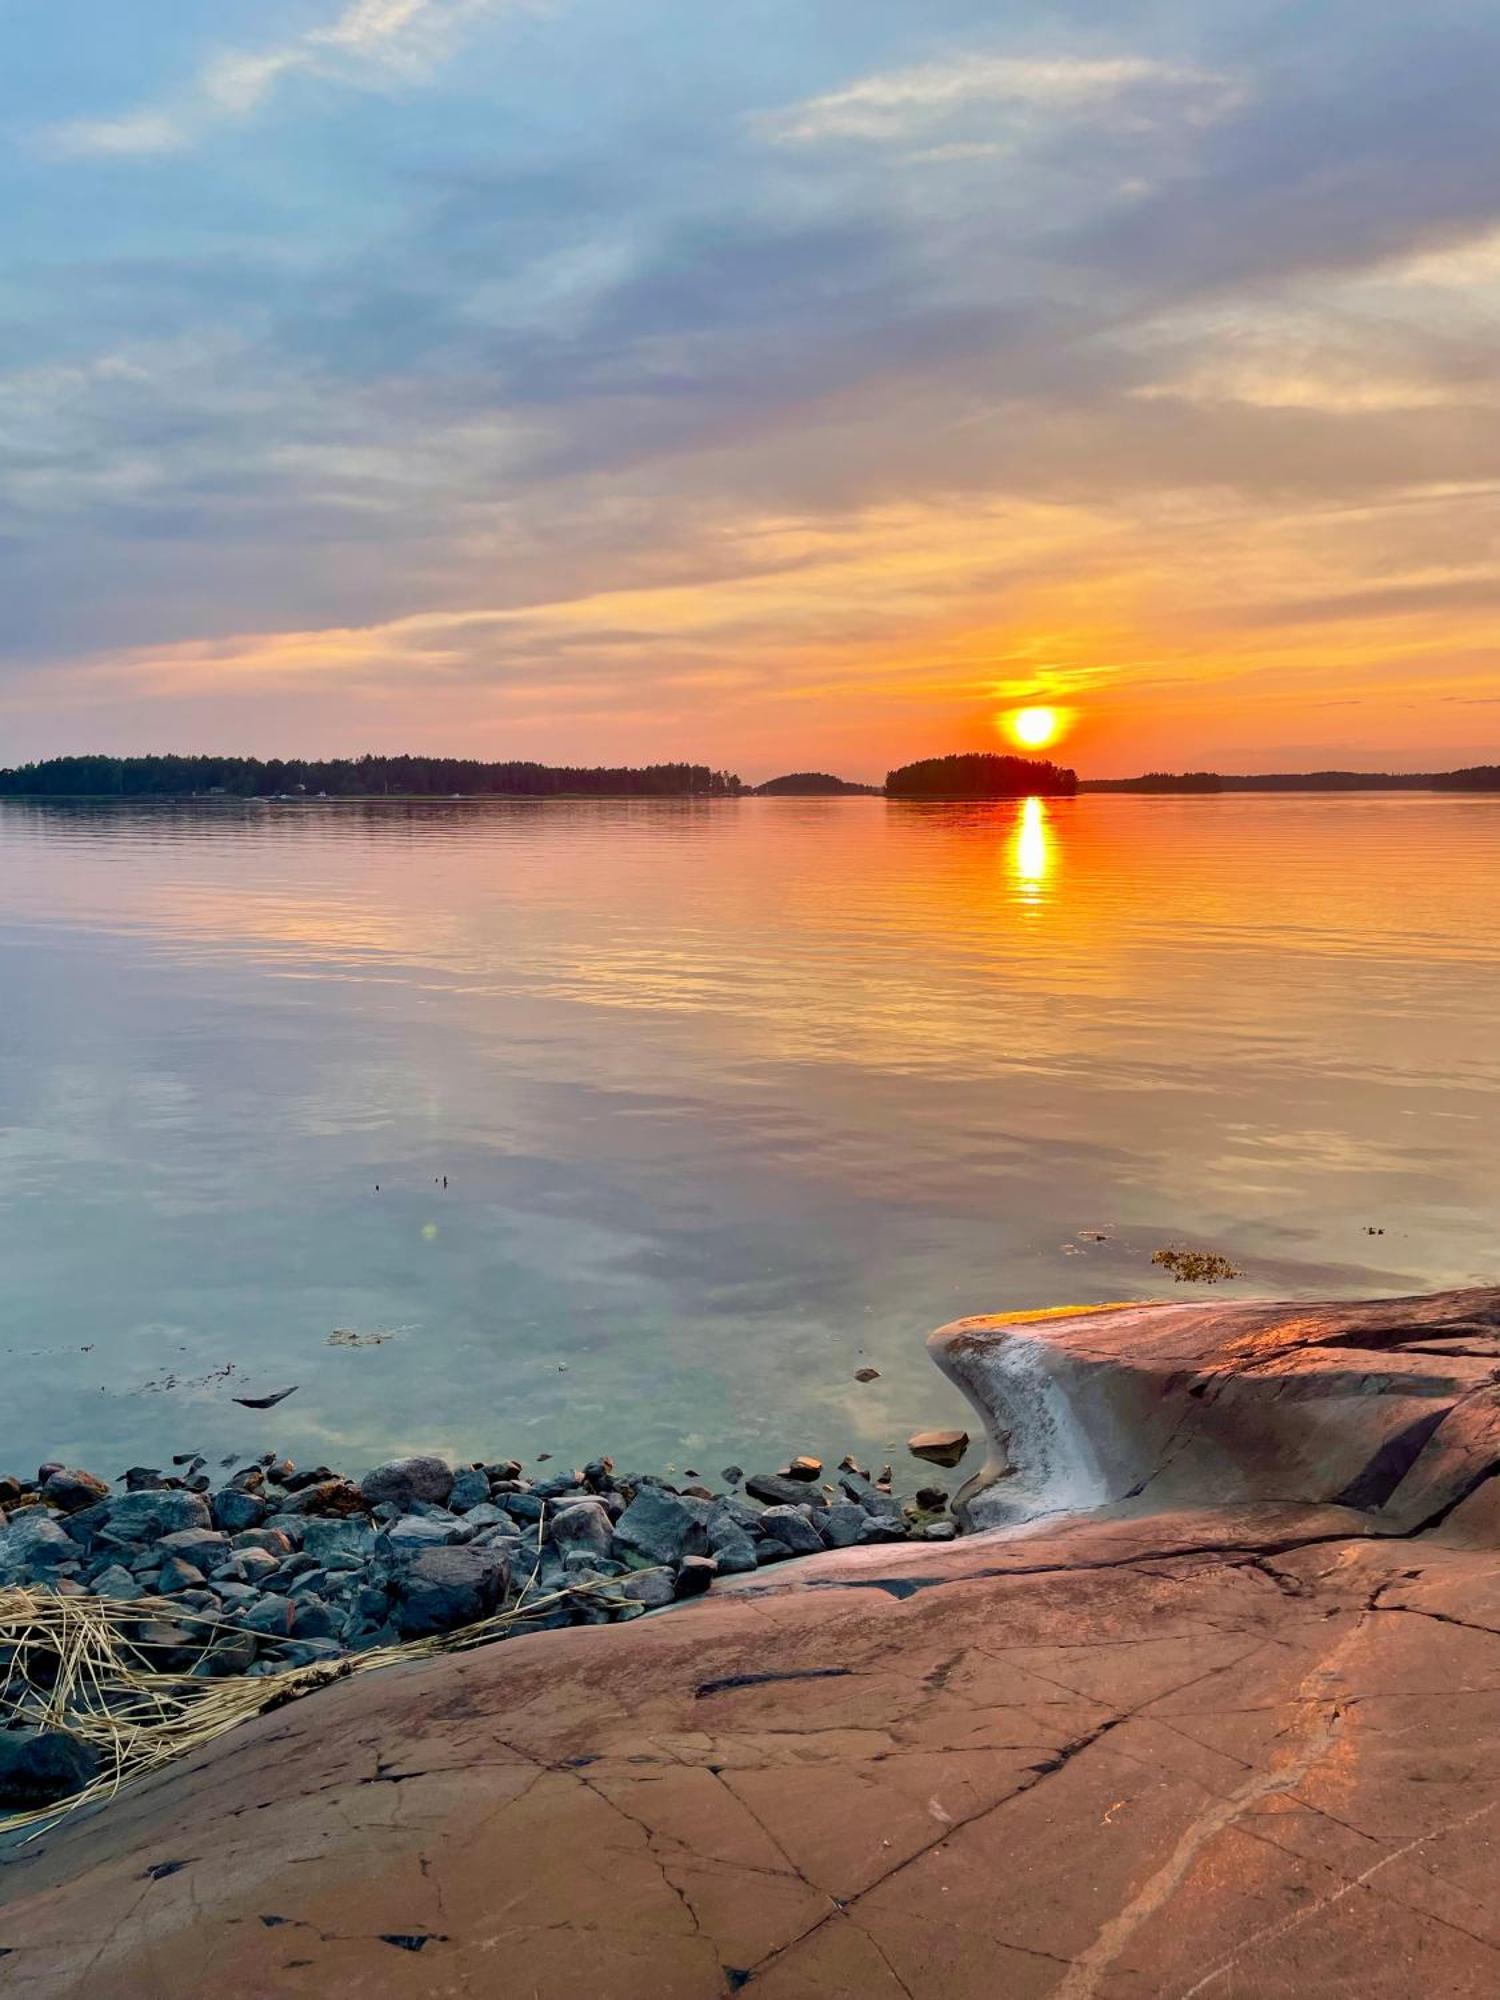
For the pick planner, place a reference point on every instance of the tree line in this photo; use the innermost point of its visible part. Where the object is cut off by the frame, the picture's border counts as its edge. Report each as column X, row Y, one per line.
column 354, row 777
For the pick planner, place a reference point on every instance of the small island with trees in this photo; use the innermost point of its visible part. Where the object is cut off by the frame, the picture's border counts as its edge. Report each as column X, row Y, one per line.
column 814, row 785
column 981, row 775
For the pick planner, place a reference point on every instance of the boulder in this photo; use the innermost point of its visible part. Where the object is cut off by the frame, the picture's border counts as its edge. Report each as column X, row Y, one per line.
column 177, row 1575
column 583, row 1525
column 328, row 1540
column 117, row 1583
column 491, row 1516
column 777, row 1490
column 234, row 1509
column 68, row 1490
column 695, row 1576
column 269, row 1615
column 196, row 1545
column 402, row 1480
column 1376, row 1405
column 414, row 1531
column 660, row 1527
column 653, row 1588
column 336, row 1497
column 152, row 1512
column 805, row 1470
column 844, row 1523
column 938, row 1447
column 470, row 1489
column 863, row 1494
column 40, row 1766
column 792, row 1527
column 441, row 1589
column 33, row 1545
column 312, row 1619
column 732, row 1547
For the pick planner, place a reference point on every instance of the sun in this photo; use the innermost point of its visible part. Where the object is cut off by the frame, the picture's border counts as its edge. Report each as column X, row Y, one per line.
column 1034, row 728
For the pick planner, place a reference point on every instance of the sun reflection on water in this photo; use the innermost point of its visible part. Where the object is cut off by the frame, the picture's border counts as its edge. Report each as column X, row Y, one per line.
column 1031, row 850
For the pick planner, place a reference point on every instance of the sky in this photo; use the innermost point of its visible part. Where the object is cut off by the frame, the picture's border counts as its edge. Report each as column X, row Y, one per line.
column 783, row 384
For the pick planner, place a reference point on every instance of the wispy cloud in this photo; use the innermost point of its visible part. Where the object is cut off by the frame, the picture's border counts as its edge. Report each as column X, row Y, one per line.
column 907, row 103
column 368, row 42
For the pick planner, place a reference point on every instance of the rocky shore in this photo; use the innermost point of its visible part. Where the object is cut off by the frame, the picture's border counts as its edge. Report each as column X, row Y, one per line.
column 1209, row 1709
column 278, row 1568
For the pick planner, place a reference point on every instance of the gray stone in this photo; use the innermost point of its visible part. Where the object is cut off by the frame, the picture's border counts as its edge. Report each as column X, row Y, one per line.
column 39, row 1766
column 844, row 1523
column 441, row 1589
column 582, row 1525
column 652, row 1588
column 524, row 1508
column 116, row 1582
column 271, row 1615
column 149, row 1515
column 729, row 1508
column 177, row 1575
column 402, row 1480
column 413, row 1531
column 70, row 1490
column 882, row 1528
column 33, row 1544
column 660, row 1527
column 860, row 1490
column 938, row 1531
column 327, row 1539
column 310, row 1652
column 778, row 1491
column 470, row 1489
column 732, row 1547
column 231, row 1653
column 235, row 1594
column 196, row 1545
column 234, row 1509
column 791, row 1525
column 581, row 1562
column 312, row 1619
column 488, row 1515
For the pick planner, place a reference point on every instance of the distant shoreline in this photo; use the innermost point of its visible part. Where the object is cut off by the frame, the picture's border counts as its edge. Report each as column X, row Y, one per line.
column 1291, row 787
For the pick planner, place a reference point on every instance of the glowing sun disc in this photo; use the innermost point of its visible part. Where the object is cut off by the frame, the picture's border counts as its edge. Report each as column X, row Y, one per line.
column 1034, row 728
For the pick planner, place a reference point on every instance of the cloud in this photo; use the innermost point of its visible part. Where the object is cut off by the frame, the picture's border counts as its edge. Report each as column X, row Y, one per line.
column 904, row 104
column 369, row 40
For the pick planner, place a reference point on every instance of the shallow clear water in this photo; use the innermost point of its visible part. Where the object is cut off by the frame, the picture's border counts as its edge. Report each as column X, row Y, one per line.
column 732, row 1100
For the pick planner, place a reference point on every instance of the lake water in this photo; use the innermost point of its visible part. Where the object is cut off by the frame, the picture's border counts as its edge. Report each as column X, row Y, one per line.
column 732, row 1100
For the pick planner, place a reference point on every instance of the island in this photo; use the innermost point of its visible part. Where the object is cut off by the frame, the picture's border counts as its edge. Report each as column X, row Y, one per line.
column 814, row 785
column 981, row 775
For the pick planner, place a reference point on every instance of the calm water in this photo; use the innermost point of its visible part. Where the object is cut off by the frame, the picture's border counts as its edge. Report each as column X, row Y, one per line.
column 732, row 1100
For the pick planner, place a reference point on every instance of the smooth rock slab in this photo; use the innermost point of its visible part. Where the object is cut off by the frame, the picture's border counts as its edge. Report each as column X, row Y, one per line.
column 1122, row 1760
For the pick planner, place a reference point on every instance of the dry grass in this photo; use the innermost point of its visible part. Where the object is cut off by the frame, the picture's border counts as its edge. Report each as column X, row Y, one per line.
column 78, row 1664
